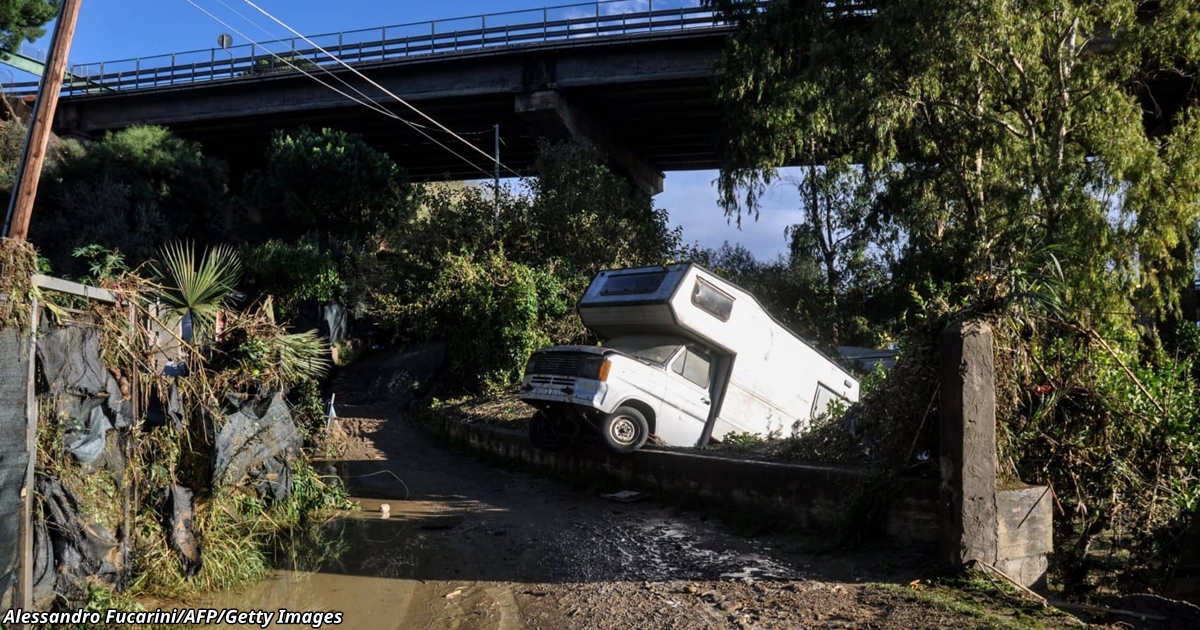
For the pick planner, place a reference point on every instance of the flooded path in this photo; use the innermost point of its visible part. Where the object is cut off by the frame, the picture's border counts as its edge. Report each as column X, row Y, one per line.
column 469, row 546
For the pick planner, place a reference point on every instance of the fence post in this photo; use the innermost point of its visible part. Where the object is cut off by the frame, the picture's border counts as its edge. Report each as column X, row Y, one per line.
column 967, row 503
column 25, row 560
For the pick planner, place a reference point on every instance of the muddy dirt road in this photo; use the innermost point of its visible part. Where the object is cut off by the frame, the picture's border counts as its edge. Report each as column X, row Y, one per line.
column 469, row 546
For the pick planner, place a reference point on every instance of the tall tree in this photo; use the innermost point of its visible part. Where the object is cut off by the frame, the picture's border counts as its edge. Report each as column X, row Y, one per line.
column 999, row 129
column 841, row 239
column 130, row 191
column 327, row 185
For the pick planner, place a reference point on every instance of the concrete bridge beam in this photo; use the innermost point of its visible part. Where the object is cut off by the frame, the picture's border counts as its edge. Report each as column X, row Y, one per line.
column 549, row 114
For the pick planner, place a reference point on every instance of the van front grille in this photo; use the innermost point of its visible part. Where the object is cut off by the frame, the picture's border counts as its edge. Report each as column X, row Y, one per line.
column 556, row 364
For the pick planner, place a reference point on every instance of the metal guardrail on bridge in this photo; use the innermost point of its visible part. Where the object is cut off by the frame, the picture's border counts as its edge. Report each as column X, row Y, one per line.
column 549, row 24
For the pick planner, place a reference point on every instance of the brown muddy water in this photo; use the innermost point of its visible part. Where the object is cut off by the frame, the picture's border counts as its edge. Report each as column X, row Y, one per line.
column 467, row 545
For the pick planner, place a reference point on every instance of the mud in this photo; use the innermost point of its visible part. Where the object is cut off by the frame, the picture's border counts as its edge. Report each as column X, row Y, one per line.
column 472, row 546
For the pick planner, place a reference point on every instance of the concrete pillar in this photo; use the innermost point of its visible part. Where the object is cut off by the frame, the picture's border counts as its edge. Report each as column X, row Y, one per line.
column 967, row 499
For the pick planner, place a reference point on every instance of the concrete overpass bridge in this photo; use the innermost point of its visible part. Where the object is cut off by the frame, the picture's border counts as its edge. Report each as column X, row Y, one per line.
column 637, row 83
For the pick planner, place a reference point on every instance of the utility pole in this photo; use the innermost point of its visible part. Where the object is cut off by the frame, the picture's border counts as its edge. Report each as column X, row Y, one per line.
column 496, row 175
column 20, row 205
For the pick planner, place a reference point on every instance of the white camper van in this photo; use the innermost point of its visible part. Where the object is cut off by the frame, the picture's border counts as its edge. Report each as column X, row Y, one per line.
column 687, row 357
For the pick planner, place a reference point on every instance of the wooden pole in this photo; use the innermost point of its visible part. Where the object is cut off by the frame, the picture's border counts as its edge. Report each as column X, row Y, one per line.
column 20, row 205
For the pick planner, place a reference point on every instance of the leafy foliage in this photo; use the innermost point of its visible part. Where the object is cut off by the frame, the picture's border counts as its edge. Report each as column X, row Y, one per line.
column 582, row 214
column 1033, row 164
column 22, row 20
column 328, row 185
column 254, row 352
column 291, row 274
column 130, row 191
column 489, row 310
column 994, row 131
column 103, row 263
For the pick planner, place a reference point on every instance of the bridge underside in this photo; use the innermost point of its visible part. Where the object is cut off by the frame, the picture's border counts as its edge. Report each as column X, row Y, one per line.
column 647, row 102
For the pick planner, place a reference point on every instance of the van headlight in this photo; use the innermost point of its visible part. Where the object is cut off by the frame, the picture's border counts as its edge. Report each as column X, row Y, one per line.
column 596, row 368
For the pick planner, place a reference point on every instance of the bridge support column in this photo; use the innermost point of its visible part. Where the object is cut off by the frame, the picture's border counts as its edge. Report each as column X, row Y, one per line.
column 550, row 115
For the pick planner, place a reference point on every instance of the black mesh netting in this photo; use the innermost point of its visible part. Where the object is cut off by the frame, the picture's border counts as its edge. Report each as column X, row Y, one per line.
column 14, row 458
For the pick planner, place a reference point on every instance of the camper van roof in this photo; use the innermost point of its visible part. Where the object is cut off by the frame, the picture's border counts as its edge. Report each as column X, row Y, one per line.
column 688, row 265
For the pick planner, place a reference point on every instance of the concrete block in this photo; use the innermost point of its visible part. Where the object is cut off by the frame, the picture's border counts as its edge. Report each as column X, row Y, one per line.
column 967, row 497
column 1025, row 533
column 1025, row 522
column 1029, row 571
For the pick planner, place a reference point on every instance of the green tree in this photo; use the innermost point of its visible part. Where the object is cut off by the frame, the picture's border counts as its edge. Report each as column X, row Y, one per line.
column 841, row 241
column 291, row 274
column 586, row 216
column 996, row 129
column 130, row 191
column 328, row 185
column 1041, row 162
column 22, row 20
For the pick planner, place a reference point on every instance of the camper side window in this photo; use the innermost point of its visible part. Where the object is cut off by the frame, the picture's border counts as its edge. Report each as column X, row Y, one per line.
column 712, row 300
column 694, row 366
column 822, row 400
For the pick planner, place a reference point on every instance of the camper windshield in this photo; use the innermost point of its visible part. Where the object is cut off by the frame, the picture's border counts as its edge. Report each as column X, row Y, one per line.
column 656, row 348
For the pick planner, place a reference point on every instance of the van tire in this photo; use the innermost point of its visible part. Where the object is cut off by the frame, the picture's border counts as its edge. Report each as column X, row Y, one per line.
column 544, row 433
column 625, row 430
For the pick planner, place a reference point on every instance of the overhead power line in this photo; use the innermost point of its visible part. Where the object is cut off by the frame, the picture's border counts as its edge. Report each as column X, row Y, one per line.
column 366, row 101
column 420, row 113
column 332, row 75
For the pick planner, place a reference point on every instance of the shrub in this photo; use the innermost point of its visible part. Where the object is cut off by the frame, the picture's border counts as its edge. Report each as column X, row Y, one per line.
column 491, row 312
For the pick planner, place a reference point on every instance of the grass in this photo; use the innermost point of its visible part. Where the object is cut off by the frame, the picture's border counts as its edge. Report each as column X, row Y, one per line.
column 238, row 535
column 977, row 601
column 503, row 410
column 101, row 600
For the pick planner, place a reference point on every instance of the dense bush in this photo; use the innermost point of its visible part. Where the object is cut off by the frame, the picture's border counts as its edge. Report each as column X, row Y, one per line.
column 492, row 312
column 291, row 274
column 129, row 191
column 326, row 185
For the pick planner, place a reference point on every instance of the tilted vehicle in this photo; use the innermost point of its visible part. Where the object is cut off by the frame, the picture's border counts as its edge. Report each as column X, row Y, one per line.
column 688, row 357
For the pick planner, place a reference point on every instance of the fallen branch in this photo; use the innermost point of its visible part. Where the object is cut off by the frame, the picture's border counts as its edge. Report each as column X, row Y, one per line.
column 1113, row 353
column 1010, row 580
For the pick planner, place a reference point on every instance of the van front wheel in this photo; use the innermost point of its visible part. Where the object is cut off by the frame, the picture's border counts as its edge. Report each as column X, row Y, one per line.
column 625, row 430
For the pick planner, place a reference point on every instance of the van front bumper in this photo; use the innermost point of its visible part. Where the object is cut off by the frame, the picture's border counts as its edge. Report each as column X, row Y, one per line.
column 583, row 392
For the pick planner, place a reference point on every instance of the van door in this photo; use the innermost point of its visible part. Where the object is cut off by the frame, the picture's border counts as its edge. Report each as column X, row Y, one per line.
column 687, row 400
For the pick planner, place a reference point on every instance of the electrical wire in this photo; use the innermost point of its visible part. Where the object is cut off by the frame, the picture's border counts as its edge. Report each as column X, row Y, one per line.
column 415, row 126
column 380, row 87
column 276, row 38
column 368, row 103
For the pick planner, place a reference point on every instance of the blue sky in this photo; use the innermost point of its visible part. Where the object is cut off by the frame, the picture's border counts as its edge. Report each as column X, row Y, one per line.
column 121, row 29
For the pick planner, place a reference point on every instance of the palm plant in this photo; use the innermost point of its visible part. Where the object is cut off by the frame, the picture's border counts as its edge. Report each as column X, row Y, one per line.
column 194, row 289
column 302, row 356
